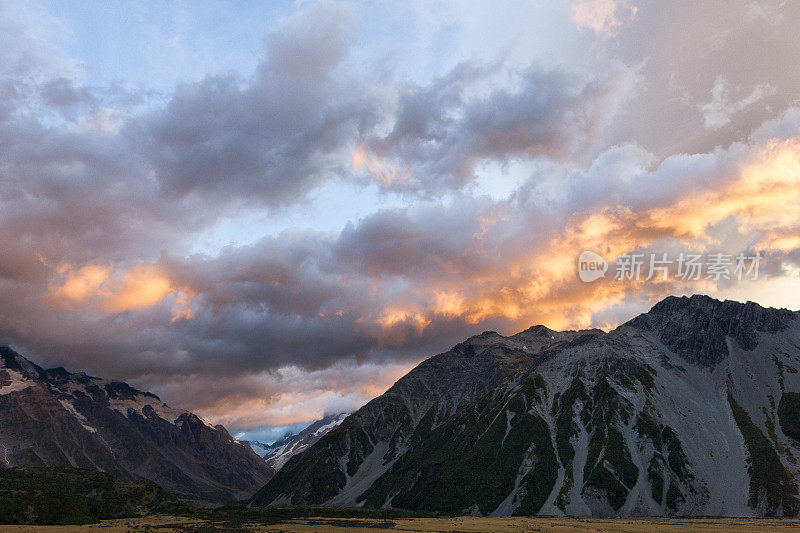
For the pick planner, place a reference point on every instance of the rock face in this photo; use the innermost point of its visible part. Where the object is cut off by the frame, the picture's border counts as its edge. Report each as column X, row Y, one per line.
column 284, row 449
column 57, row 418
column 690, row 409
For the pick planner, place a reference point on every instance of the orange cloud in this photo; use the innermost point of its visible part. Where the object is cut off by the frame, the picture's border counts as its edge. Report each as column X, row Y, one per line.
column 538, row 284
column 140, row 287
column 393, row 316
column 303, row 396
column 764, row 195
column 79, row 284
column 98, row 287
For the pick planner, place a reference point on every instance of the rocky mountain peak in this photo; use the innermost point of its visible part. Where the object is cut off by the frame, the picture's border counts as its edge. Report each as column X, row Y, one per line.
column 538, row 330
column 57, row 418
column 697, row 327
column 14, row 361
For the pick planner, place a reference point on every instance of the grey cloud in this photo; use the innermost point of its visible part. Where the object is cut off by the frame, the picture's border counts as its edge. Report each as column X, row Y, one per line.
column 401, row 242
column 77, row 195
column 274, row 138
column 310, row 46
column 310, row 299
column 690, row 52
column 442, row 132
column 64, row 96
column 270, row 434
column 8, row 96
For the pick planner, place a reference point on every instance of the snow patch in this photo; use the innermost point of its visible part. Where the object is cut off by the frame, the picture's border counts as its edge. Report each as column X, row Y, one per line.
column 141, row 401
column 66, row 404
column 260, row 449
column 18, row 382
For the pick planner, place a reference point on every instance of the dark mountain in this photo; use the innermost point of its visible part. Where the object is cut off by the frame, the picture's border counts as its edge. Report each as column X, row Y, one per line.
column 57, row 418
column 690, row 409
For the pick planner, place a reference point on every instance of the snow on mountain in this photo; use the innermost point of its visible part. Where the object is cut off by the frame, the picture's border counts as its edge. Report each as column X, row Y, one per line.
column 260, row 448
column 690, row 409
column 14, row 381
column 283, row 450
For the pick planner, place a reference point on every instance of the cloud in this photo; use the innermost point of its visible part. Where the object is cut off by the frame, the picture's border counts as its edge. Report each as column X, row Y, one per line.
column 604, row 17
column 270, row 434
column 63, row 95
column 320, row 308
column 98, row 288
column 138, row 288
column 79, row 284
column 703, row 84
column 443, row 132
column 28, row 54
column 106, row 193
column 275, row 137
column 718, row 112
column 288, row 396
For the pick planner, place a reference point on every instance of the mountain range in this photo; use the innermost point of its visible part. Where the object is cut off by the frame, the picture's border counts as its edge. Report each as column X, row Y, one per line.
column 279, row 452
column 692, row 408
column 60, row 419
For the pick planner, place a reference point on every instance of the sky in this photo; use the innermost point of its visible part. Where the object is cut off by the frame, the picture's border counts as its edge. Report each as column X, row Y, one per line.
column 271, row 212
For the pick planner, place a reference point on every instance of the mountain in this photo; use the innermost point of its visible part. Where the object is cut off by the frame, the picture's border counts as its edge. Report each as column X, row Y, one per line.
column 57, row 418
column 690, row 409
column 261, row 448
column 285, row 448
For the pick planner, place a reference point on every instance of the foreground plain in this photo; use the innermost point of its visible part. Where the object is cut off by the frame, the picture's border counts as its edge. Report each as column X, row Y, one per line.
column 168, row 524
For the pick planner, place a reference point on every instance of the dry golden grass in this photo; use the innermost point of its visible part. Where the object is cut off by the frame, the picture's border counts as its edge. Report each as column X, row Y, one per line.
column 167, row 524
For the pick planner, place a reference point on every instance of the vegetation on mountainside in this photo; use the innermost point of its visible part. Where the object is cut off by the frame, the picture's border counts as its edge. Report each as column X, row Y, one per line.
column 789, row 414
column 473, row 459
column 51, row 495
column 772, row 489
column 669, row 459
column 566, row 430
column 73, row 496
column 609, row 467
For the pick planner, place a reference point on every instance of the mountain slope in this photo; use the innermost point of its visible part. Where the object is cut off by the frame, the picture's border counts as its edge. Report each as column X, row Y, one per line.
column 263, row 449
column 57, row 418
column 281, row 451
column 690, row 409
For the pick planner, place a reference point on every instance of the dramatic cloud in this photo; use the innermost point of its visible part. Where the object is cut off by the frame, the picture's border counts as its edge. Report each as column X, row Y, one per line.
column 443, row 131
column 712, row 73
column 475, row 182
column 272, row 138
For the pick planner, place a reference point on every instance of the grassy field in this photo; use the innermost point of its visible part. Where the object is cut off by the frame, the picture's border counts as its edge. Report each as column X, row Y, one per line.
column 167, row 524
column 93, row 501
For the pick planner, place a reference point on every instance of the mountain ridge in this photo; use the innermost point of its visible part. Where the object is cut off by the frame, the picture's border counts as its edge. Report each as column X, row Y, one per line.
column 284, row 449
column 687, row 409
column 52, row 417
column 290, row 444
